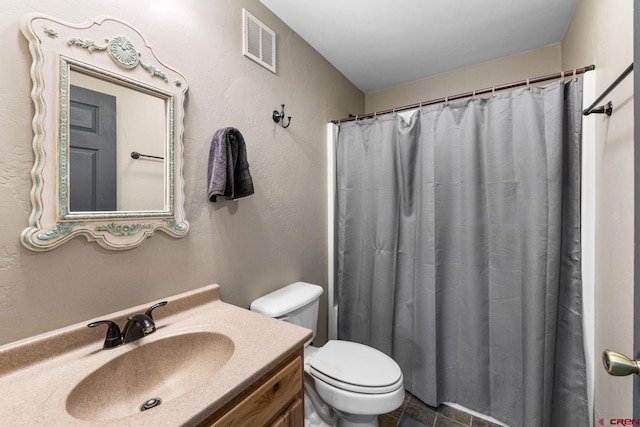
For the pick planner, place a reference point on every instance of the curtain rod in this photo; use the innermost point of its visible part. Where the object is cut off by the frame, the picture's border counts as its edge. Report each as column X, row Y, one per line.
column 472, row 93
column 607, row 109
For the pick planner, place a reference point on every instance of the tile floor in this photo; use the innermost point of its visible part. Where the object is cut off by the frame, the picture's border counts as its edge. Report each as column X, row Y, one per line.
column 443, row 416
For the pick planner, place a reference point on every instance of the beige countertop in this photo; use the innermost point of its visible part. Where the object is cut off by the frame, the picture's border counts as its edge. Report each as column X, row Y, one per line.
column 39, row 373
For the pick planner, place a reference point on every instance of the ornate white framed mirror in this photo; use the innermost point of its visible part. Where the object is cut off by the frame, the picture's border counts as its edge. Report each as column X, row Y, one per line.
column 108, row 129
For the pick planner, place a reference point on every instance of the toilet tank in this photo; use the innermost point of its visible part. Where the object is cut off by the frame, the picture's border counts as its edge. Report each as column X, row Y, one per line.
column 296, row 303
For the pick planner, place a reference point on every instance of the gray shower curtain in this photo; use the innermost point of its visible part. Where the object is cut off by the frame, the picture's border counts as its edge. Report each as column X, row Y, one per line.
column 458, row 234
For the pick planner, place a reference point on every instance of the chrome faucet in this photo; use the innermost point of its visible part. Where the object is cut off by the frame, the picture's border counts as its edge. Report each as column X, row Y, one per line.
column 137, row 326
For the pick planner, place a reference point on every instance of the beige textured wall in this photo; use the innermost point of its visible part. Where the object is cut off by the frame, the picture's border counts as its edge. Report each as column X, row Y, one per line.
column 250, row 247
column 602, row 33
column 537, row 62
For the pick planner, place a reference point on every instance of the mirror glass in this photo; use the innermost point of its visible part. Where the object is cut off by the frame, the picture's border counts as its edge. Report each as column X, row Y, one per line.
column 117, row 146
column 108, row 126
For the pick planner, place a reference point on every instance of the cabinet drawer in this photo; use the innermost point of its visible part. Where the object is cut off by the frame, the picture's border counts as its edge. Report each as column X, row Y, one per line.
column 268, row 400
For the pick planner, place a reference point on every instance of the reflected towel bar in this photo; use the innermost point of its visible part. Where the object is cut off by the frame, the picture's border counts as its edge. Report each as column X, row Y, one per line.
column 136, row 155
column 608, row 107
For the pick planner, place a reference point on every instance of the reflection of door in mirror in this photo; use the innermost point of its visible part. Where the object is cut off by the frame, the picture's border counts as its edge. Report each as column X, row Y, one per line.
column 92, row 150
column 140, row 184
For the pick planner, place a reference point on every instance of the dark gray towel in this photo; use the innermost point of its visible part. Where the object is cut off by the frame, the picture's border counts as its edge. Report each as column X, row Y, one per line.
column 228, row 173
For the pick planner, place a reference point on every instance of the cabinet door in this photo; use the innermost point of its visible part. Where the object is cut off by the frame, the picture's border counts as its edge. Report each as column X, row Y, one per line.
column 268, row 400
column 292, row 417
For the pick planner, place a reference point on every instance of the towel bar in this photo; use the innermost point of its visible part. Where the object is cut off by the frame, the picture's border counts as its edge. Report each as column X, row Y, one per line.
column 136, row 155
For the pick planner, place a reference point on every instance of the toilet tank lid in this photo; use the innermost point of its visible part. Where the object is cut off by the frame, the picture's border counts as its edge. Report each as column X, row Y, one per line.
column 285, row 300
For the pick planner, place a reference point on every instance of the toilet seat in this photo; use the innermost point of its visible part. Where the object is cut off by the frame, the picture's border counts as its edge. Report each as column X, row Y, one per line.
column 356, row 368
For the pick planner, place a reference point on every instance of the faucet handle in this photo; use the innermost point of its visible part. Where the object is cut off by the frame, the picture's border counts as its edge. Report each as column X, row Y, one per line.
column 153, row 307
column 114, row 337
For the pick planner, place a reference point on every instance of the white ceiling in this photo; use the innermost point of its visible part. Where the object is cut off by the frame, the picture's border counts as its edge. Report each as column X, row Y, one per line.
column 381, row 43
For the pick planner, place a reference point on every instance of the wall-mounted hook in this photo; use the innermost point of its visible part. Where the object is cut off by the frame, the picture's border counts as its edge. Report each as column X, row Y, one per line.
column 277, row 116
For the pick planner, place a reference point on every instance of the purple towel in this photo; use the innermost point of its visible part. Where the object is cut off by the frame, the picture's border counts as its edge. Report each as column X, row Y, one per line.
column 228, row 173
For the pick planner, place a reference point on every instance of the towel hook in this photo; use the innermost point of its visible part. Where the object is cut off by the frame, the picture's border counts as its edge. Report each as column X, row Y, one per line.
column 277, row 116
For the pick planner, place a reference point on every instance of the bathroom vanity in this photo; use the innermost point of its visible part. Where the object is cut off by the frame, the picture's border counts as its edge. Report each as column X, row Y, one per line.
column 277, row 397
column 208, row 363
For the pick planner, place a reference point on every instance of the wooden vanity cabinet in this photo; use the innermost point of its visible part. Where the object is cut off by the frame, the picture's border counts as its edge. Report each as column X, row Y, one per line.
column 275, row 400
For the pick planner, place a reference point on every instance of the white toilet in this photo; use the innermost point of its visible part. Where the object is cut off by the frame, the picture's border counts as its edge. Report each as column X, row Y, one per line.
column 351, row 383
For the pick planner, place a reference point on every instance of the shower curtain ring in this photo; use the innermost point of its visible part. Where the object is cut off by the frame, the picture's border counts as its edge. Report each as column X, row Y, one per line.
column 528, row 87
column 562, row 75
column 493, row 91
column 574, row 73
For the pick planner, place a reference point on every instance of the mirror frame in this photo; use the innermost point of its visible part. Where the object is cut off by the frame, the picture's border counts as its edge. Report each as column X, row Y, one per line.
column 110, row 49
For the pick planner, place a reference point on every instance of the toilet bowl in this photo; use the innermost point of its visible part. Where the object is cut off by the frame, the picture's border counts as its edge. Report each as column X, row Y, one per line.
column 346, row 383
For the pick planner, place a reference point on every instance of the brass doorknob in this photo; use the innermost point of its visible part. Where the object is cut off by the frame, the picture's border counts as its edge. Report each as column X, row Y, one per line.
column 619, row 364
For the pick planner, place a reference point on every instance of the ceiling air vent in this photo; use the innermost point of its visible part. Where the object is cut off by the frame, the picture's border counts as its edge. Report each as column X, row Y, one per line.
column 259, row 41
